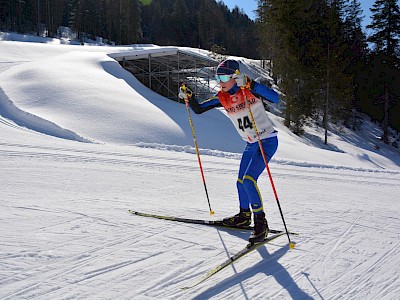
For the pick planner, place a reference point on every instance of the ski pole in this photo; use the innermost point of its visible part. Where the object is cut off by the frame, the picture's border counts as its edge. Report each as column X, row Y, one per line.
column 291, row 245
column 184, row 88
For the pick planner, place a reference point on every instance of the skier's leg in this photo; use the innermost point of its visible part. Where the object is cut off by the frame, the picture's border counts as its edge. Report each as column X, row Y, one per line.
column 254, row 169
column 244, row 164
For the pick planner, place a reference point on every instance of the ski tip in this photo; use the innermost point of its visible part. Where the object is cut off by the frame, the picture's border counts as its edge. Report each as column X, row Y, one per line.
column 291, row 245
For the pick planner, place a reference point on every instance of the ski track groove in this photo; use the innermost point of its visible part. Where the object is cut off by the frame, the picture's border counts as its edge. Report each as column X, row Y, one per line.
column 56, row 273
column 11, row 124
column 340, row 239
column 337, row 283
column 321, row 260
column 131, row 159
column 362, row 280
column 92, row 274
column 139, row 162
column 357, row 285
column 53, row 273
column 300, row 169
column 6, row 65
column 55, row 246
column 337, row 242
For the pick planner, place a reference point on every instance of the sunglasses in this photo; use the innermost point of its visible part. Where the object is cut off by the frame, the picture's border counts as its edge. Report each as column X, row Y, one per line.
column 223, row 78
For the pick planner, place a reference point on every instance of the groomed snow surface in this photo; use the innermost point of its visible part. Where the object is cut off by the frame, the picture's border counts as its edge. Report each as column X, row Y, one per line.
column 82, row 141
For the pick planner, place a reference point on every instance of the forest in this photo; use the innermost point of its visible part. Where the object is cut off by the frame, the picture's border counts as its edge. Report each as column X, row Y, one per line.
column 318, row 51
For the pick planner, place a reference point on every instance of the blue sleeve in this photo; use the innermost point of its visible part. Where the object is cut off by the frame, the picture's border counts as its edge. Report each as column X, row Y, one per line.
column 204, row 106
column 266, row 92
column 213, row 101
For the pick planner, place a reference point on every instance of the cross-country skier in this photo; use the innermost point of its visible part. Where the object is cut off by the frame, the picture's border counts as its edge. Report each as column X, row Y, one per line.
column 236, row 93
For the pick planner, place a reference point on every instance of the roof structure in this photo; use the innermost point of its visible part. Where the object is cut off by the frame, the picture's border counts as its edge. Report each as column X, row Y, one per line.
column 162, row 69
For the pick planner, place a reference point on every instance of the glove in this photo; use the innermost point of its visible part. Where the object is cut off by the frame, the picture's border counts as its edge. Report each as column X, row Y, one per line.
column 241, row 79
column 184, row 93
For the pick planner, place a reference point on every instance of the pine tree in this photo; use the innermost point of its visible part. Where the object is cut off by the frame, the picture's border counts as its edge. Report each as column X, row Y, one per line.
column 179, row 21
column 211, row 24
column 337, row 85
column 289, row 35
column 305, row 41
column 354, row 36
column 75, row 8
column 357, row 48
column 384, row 62
column 386, row 26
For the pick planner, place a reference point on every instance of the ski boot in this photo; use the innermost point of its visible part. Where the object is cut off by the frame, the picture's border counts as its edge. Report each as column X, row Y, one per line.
column 261, row 229
column 242, row 219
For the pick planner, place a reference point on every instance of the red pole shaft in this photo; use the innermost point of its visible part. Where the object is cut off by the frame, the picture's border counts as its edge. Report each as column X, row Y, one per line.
column 198, row 154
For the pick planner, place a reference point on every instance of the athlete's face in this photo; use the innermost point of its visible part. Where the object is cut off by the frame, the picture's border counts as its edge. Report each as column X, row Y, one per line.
column 226, row 86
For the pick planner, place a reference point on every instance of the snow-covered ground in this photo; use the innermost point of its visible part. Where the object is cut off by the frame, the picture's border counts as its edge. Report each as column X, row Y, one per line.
column 82, row 141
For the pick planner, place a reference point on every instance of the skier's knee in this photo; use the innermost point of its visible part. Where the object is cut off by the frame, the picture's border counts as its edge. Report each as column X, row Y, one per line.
column 249, row 182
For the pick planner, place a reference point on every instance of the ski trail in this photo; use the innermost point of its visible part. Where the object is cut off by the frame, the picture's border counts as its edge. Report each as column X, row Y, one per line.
column 77, row 262
column 211, row 164
column 6, row 65
column 322, row 260
column 342, row 236
column 338, row 242
column 363, row 280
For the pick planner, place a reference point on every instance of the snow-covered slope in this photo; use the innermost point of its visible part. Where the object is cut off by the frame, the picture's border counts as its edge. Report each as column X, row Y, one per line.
column 79, row 92
column 82, row 141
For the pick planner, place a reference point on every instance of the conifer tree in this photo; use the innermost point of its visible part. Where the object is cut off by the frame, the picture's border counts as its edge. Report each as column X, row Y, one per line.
column 211, row 24
column 384, row 63
column 305, row 41
column 290, row 40
column 337, row 84
column 385, row 26
column 179, row 23
column 354, row 36
column 357, row 48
